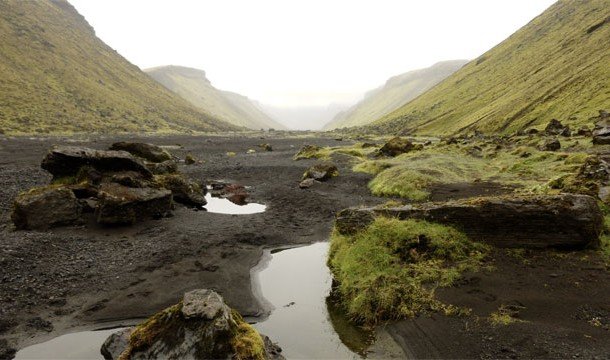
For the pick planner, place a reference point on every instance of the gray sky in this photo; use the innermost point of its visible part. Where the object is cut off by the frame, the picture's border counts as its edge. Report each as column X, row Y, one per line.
column 315, row 52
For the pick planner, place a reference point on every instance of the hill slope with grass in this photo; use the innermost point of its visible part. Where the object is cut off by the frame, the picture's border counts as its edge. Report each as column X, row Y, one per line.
column 56, row 76
column 554, row 67
column 396, row 92
column 192, row 85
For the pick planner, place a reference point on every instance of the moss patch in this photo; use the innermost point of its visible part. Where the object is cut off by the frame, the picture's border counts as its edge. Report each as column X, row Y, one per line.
column 247, row 343
column 390, row 269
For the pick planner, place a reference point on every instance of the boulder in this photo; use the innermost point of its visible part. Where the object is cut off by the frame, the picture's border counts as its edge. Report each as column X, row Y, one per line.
column 321, row 171
column 555, row 127
column 307, row 152
column 149, row 152
column 396, row 146
column 189, row 159
column 307, row 183
column 66, row 161
column 165, row 167
column 601, row 133
column 551, row 145
column 202, row 326
column 122, row 205
column 43, row 208
column 557, row 221
column 184, row 190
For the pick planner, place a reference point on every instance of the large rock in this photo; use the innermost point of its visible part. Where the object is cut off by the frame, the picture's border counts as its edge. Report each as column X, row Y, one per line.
column 122, row 205
column 321, row 171
column 150, row 152
column 202, row 326
column 184, row 190
column 397, row 146
column 68, row 160
column 555, row 127
column 44, row 208
column 165, row 167
column 601, row 133
column 559, row 221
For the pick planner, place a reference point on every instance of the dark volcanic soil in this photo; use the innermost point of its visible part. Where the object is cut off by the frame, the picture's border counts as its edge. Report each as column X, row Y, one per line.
column 56, row 281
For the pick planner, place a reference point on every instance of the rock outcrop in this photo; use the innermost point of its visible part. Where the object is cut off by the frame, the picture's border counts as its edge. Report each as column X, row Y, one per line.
column 43, row 208
column 66, row 161
column 555, row 127
column 601, row 132
column 557, row 221
column 201, row 326
column 184, row 190
column 149, row 152
column 397, row 146
column 122, row 205
column 321, row 171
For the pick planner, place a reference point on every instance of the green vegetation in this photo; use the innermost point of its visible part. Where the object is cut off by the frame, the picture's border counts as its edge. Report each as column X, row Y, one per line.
column 605, row 237
column 504, row 316
column 520, row 165
column 554, row 67
column 390, row 269
column 193, row 86
column 145, row 334
column 246, row 342
column 57, row 77
column 396, row 92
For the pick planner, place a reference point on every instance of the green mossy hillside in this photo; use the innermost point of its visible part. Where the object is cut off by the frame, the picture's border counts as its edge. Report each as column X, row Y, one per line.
column 57, row 77
column 554, row 67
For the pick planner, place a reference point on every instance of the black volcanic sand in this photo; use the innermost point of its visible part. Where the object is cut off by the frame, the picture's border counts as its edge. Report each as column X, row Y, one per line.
column 68, row 278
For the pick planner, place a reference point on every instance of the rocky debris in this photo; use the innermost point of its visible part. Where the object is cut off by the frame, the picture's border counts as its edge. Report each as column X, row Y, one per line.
column 307, row 183
column 555, row 127
column 66, row 161
column 451, row 141
column 558, row 221
column 396, row 146
column 550, row 145
column 165, row 167
column 189, row 159
column 266, row 147
column 43, row 208
column 184, row 190
column 601, row 132
column 307, row 152
column 122, row 205
column 202, row 326
column 321, row 171
column 149, row 152
column 235, row 193
column 584, row 131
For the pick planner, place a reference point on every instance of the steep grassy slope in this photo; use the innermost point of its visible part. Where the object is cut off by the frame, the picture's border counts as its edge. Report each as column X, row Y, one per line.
column 56, row 76
column 396, row 92
column 557, row 66
column 192, row 85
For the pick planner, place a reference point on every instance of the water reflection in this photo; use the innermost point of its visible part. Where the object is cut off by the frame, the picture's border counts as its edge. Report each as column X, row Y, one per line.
column 225, row 206
column 297, row 283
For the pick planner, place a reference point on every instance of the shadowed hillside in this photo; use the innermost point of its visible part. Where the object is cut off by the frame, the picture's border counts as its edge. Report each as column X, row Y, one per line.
column 396, row 92
column 554, row 67
column 56, row 76
column 192, row 85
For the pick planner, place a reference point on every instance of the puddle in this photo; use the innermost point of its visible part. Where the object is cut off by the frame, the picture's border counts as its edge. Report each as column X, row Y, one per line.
column 224, row 206
column 297, row 282
column 82, row 345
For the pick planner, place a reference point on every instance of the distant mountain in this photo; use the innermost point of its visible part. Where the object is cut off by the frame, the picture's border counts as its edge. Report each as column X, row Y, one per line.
column 396, row 92
column 56, row 76
column 557, row 66
column 305, row 117
column 192, row 85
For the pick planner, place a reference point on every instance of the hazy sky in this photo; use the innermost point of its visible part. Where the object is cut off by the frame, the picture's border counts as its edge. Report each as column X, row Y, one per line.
column 313, row 52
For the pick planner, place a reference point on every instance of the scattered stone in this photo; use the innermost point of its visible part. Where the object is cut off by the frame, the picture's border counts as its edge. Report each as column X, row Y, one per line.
column 266, row 147
column 451, row 140
column 184, row 190
column 39, row 323
column 189, row 159
column 532, row 131
column 64, row 161
column 307, row 152
column 555, row 127
column 551, row 145
column 202, row 326
column 43, row 208
column 6, row 350
column 307, row 183
column 321, row 171
column 122, row 205
column 558, row 221
column 235, row 193
column 150, row 152
column 601, row 132
column 584, row 131
column 396, row 146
